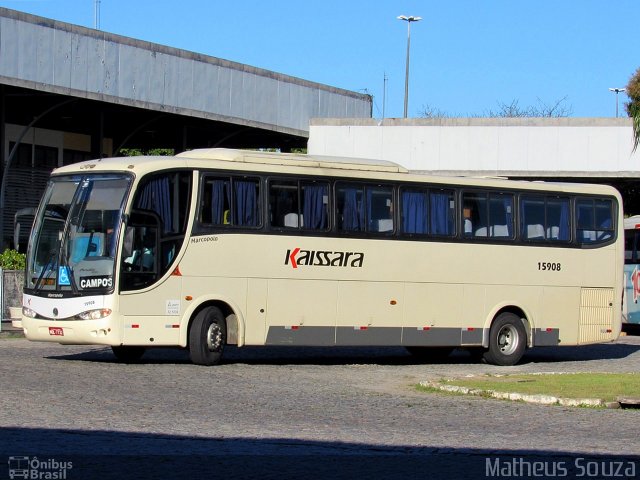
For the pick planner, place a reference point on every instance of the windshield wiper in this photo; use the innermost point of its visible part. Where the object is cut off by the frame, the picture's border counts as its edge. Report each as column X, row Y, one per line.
column 45, row 270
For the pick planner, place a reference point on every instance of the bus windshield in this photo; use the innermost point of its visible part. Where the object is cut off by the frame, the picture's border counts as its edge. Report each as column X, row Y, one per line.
column 73, row 244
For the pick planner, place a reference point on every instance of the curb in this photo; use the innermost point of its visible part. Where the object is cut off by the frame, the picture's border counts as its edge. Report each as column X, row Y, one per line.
column 538, row 399
column 8, row 330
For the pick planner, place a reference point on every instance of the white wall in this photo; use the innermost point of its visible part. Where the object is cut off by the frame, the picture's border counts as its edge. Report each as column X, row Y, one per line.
column 510, row 146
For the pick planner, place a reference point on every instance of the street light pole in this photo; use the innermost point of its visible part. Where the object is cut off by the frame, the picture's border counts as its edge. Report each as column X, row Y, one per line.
column 96, row 12
column 617, row 91
column 407, row 19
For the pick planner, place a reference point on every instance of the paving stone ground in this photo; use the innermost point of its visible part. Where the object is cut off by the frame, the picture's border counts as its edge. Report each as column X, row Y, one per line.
column 286, row 411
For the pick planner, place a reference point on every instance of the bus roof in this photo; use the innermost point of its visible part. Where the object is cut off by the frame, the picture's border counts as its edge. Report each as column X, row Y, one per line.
column 208, row 157
column 261, row 162
column 291, row 159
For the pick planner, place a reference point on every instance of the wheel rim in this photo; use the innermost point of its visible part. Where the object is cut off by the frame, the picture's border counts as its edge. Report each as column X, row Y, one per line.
column 214, row 337
column 508, row 339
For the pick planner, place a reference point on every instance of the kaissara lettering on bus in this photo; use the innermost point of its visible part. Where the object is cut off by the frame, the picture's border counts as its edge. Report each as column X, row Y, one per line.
column 96, row 282
column 323, row 258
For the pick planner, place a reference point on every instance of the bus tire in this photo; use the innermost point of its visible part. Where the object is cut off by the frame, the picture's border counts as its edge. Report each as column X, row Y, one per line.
column 207, row 337
column 128, row 354
column 507, row 340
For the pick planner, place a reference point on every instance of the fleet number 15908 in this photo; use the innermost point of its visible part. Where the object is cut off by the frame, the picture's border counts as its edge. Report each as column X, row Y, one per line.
column 550, row 266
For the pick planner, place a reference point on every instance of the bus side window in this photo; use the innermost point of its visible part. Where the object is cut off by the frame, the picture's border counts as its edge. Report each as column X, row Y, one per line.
column 631, row 245
column 232, row 201
column 501, row 216
column 532, row 217
column 557, row 226
column 594, row 220
column 544, row 218
column 475, row 215
column 380, row 208
column 155, row 229
column 140, row 266
column 284, row 211
column 215, row 201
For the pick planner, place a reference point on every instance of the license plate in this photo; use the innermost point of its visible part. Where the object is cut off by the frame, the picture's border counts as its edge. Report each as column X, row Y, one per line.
column 56, row 331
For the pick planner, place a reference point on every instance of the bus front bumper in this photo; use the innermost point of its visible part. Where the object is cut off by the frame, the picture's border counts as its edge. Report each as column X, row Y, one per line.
column 71, row 332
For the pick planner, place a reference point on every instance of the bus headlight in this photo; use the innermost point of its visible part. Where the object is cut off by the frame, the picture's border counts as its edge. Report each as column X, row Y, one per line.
column 27, row 312
column 93, row 314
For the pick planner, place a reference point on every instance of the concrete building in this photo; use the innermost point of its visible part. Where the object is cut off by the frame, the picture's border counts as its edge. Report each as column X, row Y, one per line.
column 571, row 149
column 68, row 93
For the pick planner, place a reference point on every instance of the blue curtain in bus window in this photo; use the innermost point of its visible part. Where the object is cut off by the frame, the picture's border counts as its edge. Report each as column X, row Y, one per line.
column 246, row 211
column 218, row 201
column 563, row 231
column 604, row 216
column 585, row 214
column 414, row 212
column 314, row 212
column 439, row 220
column 352, row 215
column 155, row 197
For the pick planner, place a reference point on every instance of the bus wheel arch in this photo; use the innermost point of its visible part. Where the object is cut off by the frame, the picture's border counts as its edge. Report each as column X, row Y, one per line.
column 508, row 338
column 212, row 326
column 234, row 319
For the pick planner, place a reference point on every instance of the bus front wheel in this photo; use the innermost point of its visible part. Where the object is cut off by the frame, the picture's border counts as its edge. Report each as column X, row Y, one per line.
column 207, row 337
column 507, row 340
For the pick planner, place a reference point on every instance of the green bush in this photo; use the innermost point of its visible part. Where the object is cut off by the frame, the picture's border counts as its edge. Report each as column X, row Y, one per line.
column 12, row 260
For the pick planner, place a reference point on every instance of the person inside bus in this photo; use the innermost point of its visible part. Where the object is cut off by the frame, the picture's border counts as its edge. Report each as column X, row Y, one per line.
column 468, row 224
column 139, row 255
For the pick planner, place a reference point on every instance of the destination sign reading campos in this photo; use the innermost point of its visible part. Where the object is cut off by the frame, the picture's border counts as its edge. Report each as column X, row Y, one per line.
column 323, row 258
column 96, row 282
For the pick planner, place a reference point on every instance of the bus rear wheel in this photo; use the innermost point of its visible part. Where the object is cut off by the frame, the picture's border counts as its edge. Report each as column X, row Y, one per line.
column 507, row 340
column 207, row 337
column 128, row 354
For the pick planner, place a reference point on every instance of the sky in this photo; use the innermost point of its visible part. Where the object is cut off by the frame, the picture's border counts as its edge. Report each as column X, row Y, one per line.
column 468, row 57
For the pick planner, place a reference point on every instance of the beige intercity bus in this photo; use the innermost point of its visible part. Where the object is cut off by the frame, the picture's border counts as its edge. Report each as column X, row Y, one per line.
column 225, row 247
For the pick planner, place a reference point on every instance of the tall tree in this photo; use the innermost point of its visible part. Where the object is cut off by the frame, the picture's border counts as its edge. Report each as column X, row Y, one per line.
column 633, row 105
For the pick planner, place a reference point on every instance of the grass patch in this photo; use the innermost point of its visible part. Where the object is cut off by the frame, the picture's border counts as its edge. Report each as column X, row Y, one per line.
column 604, row 386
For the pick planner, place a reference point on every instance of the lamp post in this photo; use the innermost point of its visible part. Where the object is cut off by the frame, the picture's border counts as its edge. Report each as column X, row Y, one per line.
column 617, row 91
column 407, row 19
column 96, row 14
